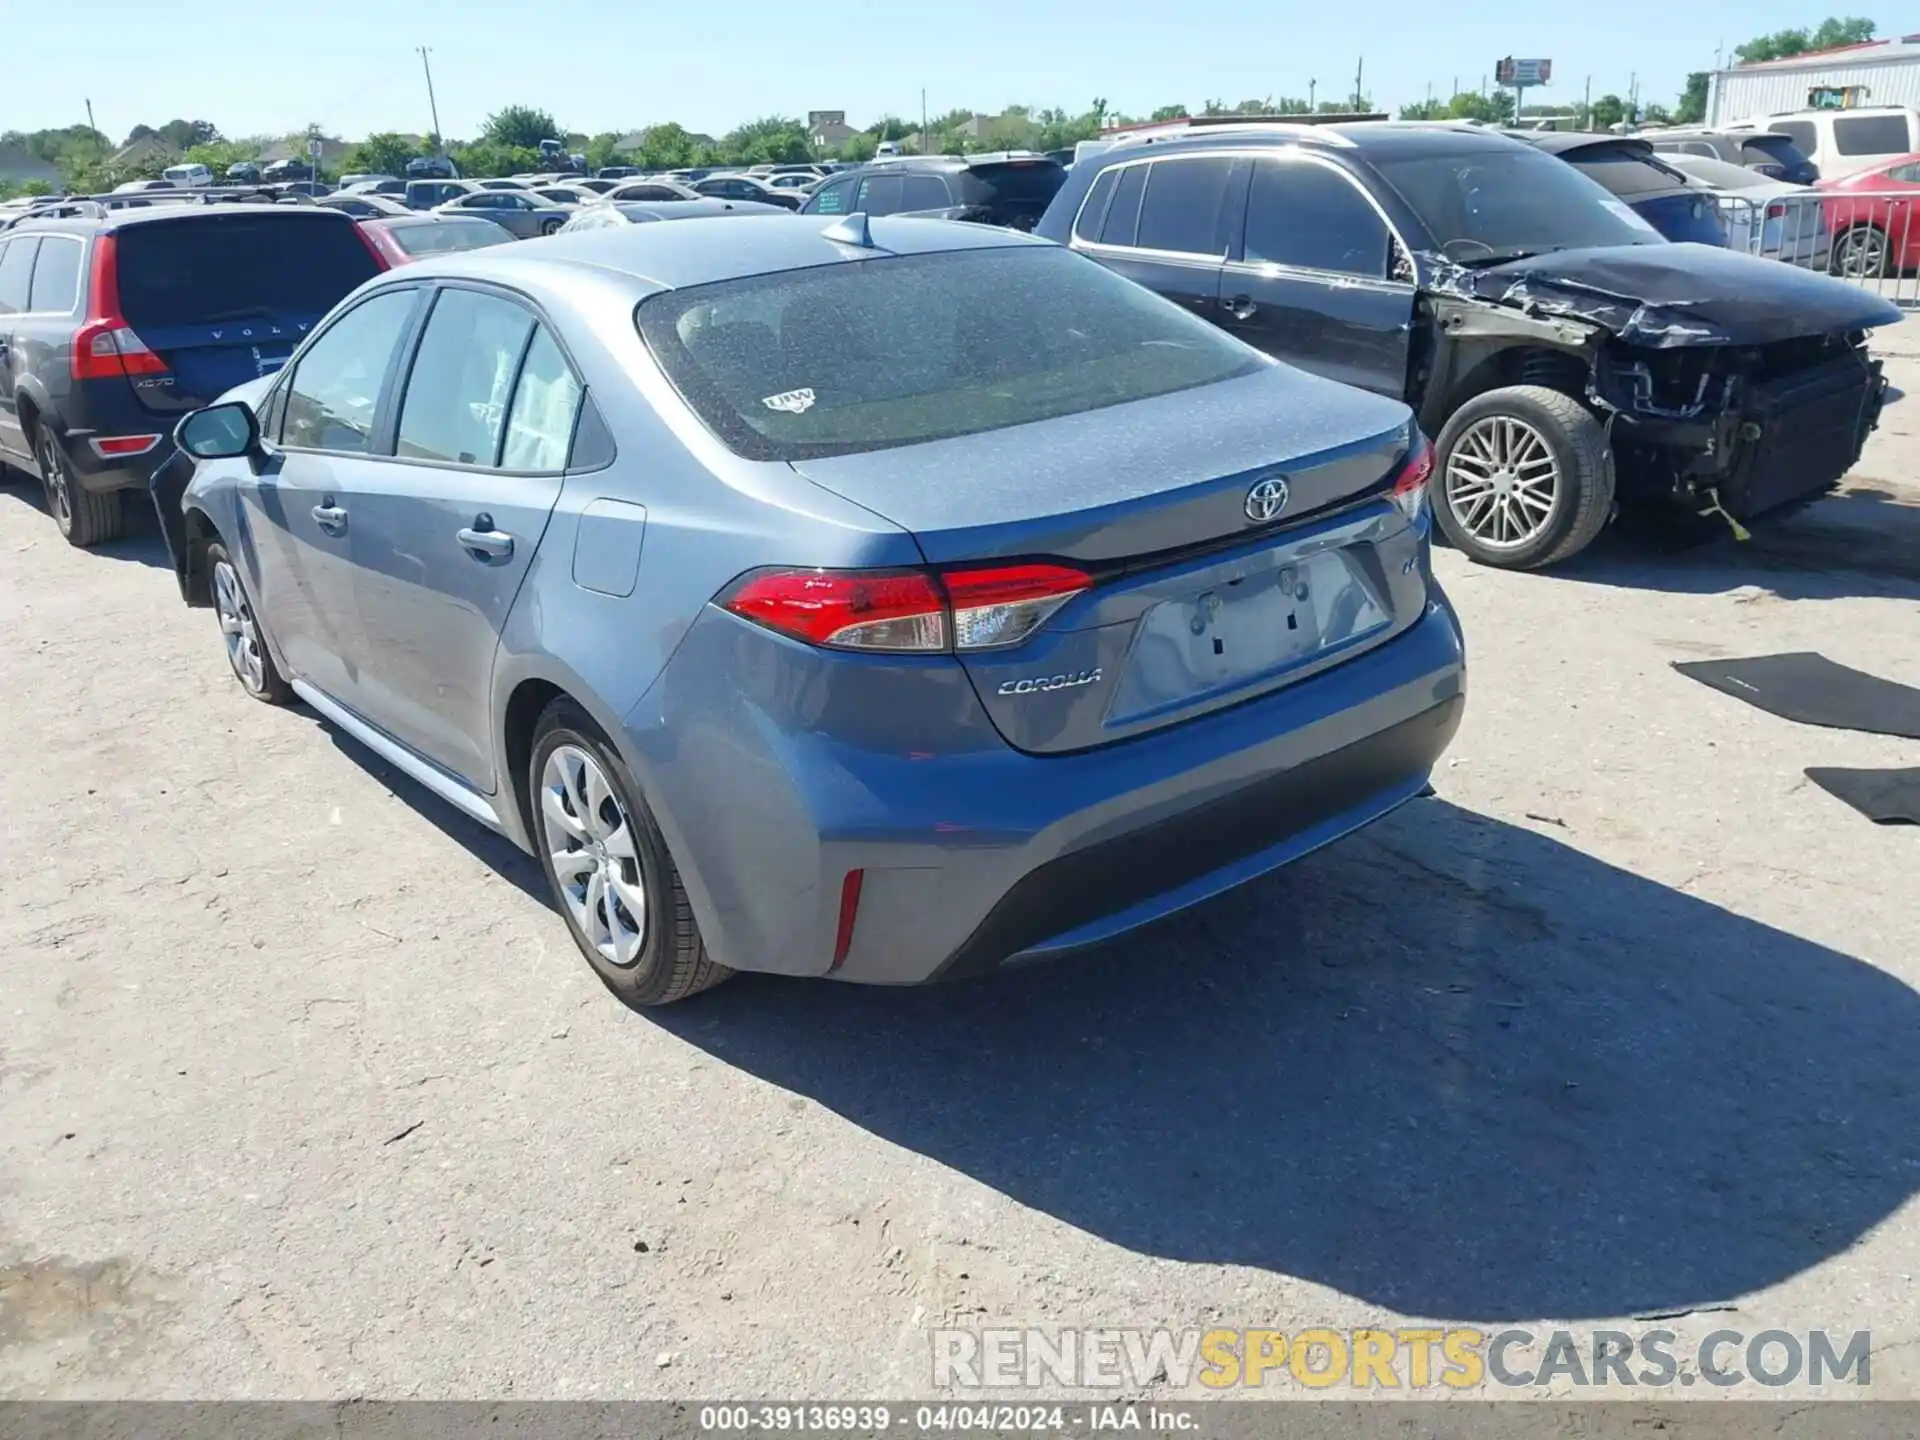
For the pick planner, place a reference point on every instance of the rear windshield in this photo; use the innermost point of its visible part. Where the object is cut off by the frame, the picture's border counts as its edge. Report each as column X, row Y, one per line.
column 1626, row 170
column 1777, row 148
column 1026, row 183
column 448, row 236
column 906, row 349
column 237, row 266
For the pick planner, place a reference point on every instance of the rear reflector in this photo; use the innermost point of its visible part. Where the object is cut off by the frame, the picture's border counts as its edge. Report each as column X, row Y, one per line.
column 849, row 912
column 992, row 608
column 908, row 611
column 123, row 445
column 1410, row 484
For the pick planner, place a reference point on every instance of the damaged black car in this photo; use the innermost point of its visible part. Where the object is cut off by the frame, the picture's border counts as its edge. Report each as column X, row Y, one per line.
column 1568, row 360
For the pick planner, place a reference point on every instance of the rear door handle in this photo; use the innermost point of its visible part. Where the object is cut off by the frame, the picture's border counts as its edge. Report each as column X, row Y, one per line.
column 330, row 517
column 481, row 539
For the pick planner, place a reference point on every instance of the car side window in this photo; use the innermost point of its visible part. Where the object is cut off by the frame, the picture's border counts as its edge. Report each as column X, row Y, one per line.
column 1122, row 224
column 1312, row 217
column 1696, row 147
column 1093, row 210
column 924, row 192
column 333, row 396
column 1870, row 134
column 56, row 276
column 459, row 390
column 1181, row 208
column 546, row 402
column 1905, row 174
column 16, row 270
column 832, row 199
column 879, row 195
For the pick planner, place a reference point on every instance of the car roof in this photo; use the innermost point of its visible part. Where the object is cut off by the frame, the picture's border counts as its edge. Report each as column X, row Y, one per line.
column 1375, row 139
column 154, row 214
column 694, row 209
column 704, row 250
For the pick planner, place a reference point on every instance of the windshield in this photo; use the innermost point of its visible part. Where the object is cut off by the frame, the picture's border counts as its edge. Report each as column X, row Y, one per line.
column 447, row 236
column 1488, row 205
column 900, row 351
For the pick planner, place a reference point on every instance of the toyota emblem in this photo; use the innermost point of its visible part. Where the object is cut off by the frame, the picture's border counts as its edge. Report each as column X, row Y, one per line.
column 1267, row 499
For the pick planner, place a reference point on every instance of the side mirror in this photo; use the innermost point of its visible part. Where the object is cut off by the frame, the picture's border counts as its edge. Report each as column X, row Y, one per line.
column 219, row 432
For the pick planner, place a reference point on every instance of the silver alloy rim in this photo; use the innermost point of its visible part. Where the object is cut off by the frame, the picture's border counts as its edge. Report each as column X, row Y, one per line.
column 237, row 628
column 54, row 472
column 1860, row 253
column 1501, row 482
column 596, row 863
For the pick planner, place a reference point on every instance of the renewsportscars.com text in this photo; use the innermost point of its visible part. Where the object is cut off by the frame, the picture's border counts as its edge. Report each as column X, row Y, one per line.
column 1413, row 1359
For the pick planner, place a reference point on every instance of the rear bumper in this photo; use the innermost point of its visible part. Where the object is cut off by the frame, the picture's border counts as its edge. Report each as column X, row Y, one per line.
column 981, row 854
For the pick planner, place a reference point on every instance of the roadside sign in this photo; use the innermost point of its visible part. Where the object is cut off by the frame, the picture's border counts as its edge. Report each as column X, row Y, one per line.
column 1524, row 73
column 313, row 147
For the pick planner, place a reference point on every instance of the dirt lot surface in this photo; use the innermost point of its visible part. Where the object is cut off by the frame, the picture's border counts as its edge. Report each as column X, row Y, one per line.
column 303, row 1091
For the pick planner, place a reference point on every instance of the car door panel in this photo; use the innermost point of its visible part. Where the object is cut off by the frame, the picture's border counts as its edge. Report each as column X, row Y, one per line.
column 16, row 269
column 443, row 536
column 1313, row 277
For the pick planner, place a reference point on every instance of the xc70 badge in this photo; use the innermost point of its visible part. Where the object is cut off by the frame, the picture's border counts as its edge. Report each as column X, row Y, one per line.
column 1050, row 682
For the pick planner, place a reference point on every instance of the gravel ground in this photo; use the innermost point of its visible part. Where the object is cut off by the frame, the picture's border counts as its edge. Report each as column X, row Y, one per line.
column 304, row 1093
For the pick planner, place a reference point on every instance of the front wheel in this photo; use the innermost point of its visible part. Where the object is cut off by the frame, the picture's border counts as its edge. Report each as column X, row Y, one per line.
column 551, row 227
column 1525, row 478
column 247, row 649
column 608, row 865
column 84, row 517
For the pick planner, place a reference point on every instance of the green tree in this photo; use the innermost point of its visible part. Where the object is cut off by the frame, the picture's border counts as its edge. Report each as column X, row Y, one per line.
column 1608, row 111
column 1655, row 115
column 519, row 127
column 600, row 151
column 1832, row 31
column 1692, row 108
column 381, row 154
column 890, row 127
column 1169, row 112
column 770, row 140
column 185, row 134
column 484, row 159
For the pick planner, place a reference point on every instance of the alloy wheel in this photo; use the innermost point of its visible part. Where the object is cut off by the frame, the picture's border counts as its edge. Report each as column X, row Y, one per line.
column 238, row 628
column 596, row 863
column 1862, row 253
column 1501, row 482
column 54, row 480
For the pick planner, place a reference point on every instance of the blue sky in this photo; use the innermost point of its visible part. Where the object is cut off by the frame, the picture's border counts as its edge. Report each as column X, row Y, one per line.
column 266, row 66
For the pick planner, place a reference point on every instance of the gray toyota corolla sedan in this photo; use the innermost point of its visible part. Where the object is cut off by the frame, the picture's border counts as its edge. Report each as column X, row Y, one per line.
column 884, row 603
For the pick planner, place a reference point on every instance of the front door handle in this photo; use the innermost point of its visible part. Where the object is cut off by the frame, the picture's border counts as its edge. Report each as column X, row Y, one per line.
column 1241, row 307
column 481, row 540
column 330, row 517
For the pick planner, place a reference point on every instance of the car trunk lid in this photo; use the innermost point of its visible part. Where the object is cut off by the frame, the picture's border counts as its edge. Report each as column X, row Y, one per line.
column 222, row 297
column 1194, row 602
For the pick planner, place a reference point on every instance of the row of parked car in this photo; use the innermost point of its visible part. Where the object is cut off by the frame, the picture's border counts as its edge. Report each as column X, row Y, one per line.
column 886, row 598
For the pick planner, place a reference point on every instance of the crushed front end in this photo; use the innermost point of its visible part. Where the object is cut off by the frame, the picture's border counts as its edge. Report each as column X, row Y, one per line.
column 1737, row 429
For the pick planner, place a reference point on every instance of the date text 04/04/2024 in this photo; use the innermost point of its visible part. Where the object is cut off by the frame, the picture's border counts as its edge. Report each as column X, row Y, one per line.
column 871, row 1419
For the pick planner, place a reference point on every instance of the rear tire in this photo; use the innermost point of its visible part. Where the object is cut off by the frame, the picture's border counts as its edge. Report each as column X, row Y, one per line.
column 551, row 227
column 1524, row 478
column 84, row 517
column 613, row 880
column 1862, row 253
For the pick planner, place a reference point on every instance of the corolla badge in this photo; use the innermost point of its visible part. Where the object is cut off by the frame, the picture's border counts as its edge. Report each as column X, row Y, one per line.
column 1042, row 683
column 1267, row 499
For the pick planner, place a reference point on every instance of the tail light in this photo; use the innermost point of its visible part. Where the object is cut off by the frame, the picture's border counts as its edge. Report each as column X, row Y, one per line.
column 387, row 251
column 908, row 611
column 1776, row 211
column 1410, row 482
column 105, row 347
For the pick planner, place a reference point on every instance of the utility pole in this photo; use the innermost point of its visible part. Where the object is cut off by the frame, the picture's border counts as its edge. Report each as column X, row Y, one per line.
column 439, row 140
column 1310, row 87
column 1633, row 98
column 1586, row 106
column 1358, row 90
column 90, row 125
column 923, row 120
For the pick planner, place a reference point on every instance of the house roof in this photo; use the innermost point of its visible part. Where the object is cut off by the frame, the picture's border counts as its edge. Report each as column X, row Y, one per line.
column 147, row 147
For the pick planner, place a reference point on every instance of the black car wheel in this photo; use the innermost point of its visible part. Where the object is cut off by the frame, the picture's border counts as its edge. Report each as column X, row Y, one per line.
column 608, row 866
column 1862, row 253
column 549, row 227
column 84, row 516
column 1524, row 478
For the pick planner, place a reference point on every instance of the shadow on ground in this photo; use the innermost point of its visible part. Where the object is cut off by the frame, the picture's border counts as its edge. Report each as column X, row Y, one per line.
column 142, row 542
column 1449, row 1066
column 1862, row 541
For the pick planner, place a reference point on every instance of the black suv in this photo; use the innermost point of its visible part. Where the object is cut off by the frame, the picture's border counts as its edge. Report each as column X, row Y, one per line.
column 114, row 325
column 1010, row 188
column 1561, row 350
column 1775, row 156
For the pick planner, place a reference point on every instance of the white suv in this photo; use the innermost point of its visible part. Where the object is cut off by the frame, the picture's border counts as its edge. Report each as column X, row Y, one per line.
column 1841, row 142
